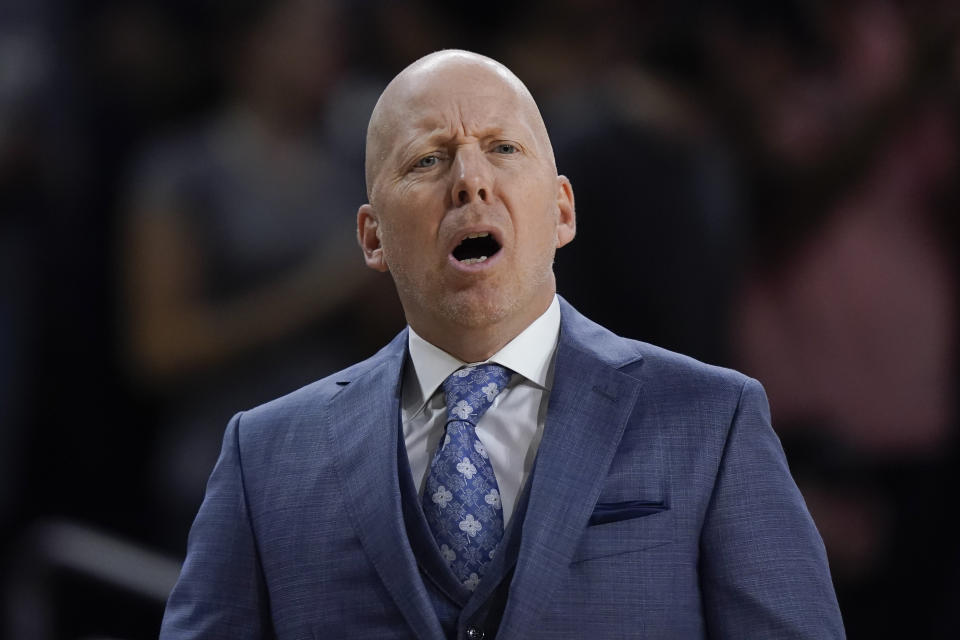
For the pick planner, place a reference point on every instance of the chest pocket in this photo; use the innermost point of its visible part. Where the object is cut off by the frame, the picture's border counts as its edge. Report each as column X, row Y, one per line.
column 626, row 536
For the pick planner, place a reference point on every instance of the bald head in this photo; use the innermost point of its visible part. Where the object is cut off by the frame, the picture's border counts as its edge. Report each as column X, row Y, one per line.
column 434, row 77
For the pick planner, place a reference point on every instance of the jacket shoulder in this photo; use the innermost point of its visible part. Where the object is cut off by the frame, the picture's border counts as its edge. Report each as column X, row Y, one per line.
column 664, row 367
column 659, row 369
column 306, row 404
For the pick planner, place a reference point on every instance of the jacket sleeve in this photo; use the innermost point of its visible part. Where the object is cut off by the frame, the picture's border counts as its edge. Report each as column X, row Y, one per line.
column 221, row 592
column 763, row 567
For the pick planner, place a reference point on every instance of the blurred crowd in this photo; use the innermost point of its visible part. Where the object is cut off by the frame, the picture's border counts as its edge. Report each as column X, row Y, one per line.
column 767, row 186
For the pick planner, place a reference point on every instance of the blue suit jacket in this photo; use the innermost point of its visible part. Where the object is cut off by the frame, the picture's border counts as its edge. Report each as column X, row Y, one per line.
column 661, row 506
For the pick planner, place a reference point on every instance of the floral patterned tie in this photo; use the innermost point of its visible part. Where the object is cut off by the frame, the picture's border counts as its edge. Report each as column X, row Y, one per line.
column 461, row 499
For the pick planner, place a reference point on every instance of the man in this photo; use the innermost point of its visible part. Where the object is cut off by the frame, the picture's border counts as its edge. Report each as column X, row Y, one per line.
column 567, row 483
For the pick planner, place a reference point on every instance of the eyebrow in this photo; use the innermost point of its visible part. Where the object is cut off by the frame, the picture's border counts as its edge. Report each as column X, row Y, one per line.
column 428, row 135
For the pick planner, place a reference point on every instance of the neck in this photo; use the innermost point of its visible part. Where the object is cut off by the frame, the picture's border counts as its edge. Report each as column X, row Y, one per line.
column 477, row 343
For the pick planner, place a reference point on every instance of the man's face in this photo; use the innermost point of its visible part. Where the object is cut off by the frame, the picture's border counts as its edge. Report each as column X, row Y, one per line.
column 466, row 208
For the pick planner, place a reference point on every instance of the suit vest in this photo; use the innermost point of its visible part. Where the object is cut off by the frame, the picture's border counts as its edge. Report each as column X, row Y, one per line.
column 462, row 614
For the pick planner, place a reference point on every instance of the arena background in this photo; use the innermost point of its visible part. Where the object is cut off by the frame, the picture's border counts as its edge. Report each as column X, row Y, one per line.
column 767, row 186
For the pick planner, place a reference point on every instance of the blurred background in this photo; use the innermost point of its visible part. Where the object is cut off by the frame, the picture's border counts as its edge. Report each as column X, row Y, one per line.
column 767, row 186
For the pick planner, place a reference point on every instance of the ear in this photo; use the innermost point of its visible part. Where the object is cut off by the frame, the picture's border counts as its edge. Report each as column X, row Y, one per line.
column 368, row 235
column 567, row 215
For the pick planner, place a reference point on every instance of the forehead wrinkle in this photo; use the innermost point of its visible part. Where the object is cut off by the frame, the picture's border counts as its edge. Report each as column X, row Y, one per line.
column 470, row 118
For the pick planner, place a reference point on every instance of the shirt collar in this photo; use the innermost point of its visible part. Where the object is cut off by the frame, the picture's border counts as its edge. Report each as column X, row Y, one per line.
column 529, row 354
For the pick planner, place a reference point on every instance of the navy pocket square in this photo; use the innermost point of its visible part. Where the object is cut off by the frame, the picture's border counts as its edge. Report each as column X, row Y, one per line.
column 605, row 512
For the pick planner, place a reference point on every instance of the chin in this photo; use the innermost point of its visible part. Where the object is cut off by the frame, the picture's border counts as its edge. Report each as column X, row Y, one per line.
column 485, row 304
column 474, row 309
column 481, row 307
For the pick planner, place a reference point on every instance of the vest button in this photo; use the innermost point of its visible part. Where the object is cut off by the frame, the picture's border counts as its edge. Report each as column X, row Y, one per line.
column 475, row 634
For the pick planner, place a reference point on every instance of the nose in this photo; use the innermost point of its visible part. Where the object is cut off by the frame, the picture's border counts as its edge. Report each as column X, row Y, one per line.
column 472, row 179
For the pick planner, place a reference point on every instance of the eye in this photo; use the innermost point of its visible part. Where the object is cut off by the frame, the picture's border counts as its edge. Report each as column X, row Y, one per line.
column 426, row 162
column 505, row 147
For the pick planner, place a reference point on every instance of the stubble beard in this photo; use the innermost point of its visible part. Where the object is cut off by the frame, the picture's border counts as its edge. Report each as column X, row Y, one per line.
column 483, row 304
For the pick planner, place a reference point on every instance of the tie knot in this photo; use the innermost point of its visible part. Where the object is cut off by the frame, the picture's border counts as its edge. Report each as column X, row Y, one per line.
column 471, row 390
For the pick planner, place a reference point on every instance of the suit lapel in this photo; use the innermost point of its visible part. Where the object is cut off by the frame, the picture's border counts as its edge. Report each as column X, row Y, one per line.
column 590, row 404
column 363, row 424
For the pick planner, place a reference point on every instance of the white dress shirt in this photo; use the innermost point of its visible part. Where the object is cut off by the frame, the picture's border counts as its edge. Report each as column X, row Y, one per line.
column 511, row 428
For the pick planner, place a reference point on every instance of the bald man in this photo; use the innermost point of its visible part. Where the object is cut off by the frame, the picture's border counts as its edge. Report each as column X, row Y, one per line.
column 504, row 467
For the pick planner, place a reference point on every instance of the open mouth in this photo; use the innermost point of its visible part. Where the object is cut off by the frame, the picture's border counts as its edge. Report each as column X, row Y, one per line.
column 476, row 248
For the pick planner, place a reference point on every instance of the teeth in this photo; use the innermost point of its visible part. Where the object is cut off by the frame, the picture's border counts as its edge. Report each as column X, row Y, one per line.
column 478, row 235
column 473, row 260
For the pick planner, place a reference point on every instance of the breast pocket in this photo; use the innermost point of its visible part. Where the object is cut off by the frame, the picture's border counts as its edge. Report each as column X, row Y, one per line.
column 625, row 536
